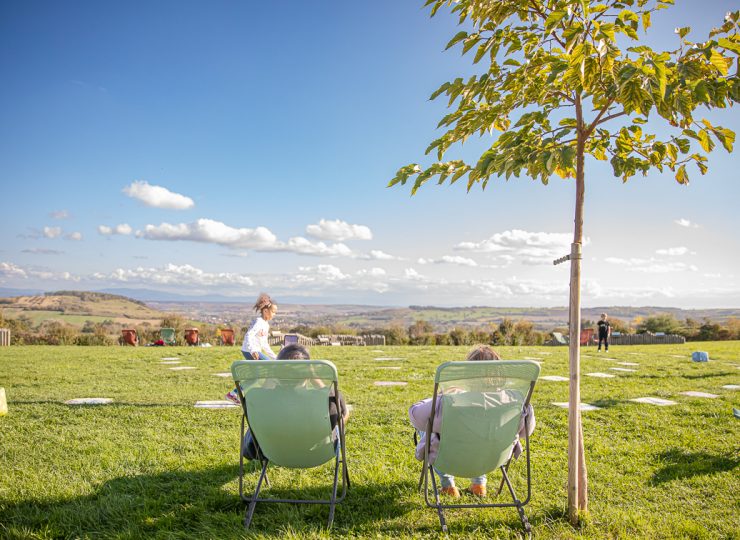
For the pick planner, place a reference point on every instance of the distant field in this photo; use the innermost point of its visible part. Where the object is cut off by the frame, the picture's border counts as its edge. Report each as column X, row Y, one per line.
column 76, row 320
column 151, row 465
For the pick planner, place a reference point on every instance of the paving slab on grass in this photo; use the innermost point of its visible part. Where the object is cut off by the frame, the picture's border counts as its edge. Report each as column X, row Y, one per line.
column 170, row 362
column 390, row 383
column 89, row 401
column 556, row 378
column 377, row 351
column 386, row 358
column 623, row 369
column 699, row 394
column 170, row 358
column 180, row 368
column 628, row 363
column 680, row 355
column 654, row 401
column 223, row 374
column 217, row 404
column 731, row 387
column 600, row 375
column 542, row 353
column 530, row 358
column 583, row 407
column 389, row 367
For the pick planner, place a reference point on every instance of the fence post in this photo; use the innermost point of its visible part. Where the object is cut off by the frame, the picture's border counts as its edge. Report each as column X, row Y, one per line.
column 4, row 337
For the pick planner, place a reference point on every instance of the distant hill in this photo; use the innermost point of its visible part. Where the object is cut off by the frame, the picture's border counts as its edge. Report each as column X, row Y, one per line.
column 80, row 304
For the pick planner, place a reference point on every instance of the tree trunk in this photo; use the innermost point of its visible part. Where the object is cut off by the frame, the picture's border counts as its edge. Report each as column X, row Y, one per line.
column 577, row 477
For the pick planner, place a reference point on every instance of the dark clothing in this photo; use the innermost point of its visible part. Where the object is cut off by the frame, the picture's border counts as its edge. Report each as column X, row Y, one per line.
column 603, row 328
column 605, row 339
column 333, row 418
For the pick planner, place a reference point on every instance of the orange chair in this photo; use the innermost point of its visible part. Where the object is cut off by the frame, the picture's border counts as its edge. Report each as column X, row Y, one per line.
column 587, row 336
column 227, row 336
column 129, row 337
column 191, row 337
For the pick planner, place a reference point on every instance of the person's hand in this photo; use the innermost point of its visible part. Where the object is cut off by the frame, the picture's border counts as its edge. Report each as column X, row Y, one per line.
column 256, row 356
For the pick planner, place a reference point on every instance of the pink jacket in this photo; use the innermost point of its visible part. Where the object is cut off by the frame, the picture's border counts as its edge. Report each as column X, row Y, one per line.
column 420, row 412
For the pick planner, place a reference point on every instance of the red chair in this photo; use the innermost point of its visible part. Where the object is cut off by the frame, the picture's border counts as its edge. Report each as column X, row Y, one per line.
column 587, row 336
column 191, row 337
column 227, row 336
column 129, row 337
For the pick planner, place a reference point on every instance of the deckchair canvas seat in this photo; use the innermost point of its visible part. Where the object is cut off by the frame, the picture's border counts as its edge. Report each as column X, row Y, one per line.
column 482, row 404
column 286, row 405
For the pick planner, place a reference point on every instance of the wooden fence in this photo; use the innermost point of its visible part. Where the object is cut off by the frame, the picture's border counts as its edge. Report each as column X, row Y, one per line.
column 646, row 339
column 4, row 337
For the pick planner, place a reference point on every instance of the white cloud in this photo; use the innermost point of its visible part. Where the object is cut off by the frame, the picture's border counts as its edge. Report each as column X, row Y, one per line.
column 685, row 223
column 59, row 214
column 122, row 229
column 10, row 270
column 372, row 272
column 157, row 196
column 712, row 275
column 338, row 231
column 327, row 272
column 52, row 232
column 172, row 274
column 652, row 265
column 674, row 251
column 449, row 259
column 378, row 255
column 39, row 251
column 303, row 246
column 75, row 236
column 211, row 232
column 523, row 246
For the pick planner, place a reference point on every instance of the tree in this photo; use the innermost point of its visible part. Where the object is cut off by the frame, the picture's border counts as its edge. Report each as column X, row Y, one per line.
column 559, row 85
column 661, row 322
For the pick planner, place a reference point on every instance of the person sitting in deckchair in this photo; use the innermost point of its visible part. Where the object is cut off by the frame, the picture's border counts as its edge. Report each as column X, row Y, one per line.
column 420, row 412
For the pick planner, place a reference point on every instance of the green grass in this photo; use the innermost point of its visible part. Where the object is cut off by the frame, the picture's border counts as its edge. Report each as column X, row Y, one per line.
column 151, row 465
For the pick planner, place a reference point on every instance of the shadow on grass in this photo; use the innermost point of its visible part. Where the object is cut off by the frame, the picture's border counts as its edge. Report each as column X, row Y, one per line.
column 681, row 464
column 114, row 404
column 194, row 503
column 606, row 403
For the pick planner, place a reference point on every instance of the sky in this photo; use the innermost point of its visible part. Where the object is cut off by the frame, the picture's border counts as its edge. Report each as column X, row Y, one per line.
column 229, row 148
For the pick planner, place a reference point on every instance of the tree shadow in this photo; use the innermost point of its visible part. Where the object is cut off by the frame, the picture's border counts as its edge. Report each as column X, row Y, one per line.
column 606, row 403
column 194, row 503
column 707, row 375
column 679, row 464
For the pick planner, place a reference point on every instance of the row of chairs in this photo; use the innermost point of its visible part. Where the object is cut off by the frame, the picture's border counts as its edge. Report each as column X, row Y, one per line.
column 129, row 336
column 285, row 405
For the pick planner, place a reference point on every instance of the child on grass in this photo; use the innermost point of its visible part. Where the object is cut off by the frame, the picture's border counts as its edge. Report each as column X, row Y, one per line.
column 255, row 345
column 420, row 412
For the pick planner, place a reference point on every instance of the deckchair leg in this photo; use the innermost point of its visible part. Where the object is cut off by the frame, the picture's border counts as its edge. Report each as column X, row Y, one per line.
column 440, row 512
column 504, row 468
column 519, row 506
column 253, row 502
column 334, row 490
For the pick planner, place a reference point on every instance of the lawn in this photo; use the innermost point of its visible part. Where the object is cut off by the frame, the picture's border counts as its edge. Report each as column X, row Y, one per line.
column 152, row 465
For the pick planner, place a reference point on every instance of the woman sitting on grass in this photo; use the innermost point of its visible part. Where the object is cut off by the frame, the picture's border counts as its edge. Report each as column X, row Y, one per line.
column 420, row 412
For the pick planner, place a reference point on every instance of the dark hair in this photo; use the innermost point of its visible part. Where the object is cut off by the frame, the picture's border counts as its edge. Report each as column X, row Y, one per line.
column 294, row 351
column 482, row 352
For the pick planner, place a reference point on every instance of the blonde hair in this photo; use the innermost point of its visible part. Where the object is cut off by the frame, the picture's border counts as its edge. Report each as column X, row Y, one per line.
column 482, row 352
column 263, row 302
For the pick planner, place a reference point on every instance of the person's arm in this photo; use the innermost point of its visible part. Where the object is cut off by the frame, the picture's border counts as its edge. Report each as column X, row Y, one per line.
column 253, row 343
column 419, row 414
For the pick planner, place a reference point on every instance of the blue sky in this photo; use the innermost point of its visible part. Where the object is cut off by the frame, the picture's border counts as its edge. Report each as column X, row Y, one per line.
column 282, row 122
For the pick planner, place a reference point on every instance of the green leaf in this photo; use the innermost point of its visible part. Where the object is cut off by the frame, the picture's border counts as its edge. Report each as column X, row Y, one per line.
column 706, row 143
column 457, row 38
column 646, row 20
column 729, row 45
column 681, row 176
column 554, row 18
column 722, row 63
column 682, row 32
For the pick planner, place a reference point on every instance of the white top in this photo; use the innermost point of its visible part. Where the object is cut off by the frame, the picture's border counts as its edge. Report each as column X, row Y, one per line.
column 255, row 340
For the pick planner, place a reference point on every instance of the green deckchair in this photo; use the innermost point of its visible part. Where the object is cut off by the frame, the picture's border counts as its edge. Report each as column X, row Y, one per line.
column 167, row 335
column 286, row 404
column 559, row 339
column 481, row 407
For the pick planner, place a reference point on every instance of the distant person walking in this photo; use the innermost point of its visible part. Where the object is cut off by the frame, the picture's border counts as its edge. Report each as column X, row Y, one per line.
column 605, row 330
column 256, row 345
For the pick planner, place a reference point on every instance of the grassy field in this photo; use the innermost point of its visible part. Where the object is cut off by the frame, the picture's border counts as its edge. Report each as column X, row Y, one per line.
column 151, row 465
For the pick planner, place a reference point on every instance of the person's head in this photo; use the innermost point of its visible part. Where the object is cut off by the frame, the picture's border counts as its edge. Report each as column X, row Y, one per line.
column 265, row 306
column 294, row 351
column 603, row 316
column 482, row 352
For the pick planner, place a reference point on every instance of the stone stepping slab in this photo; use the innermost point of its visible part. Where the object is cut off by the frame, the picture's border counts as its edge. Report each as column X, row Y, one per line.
column 654, row 401
column 387, row 358
column 583, row 406
column 622, row 369
column 731, row 387
column 627, row 364
column 218, row 404
column 389, row 383
column 170, row 358
column 388, row 367
column 530, row 358
column 89, row 401
column 556, row 378
column 600, row 375
column 170, row 362
column 699, row 394
column 543, row 353
column 223, row 374
column 377, row 351
column 180, row 368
